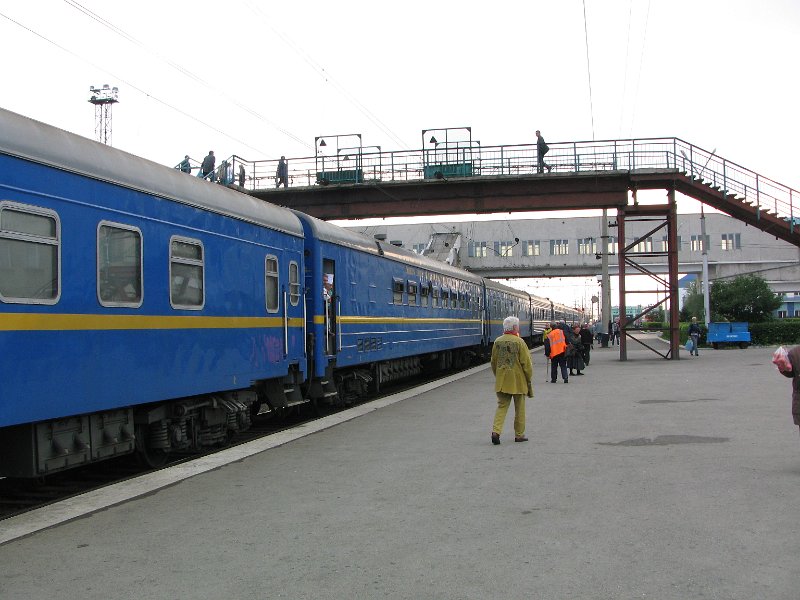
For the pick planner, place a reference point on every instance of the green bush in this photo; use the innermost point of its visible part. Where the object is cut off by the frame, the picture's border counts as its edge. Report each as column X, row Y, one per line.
column 775, row 333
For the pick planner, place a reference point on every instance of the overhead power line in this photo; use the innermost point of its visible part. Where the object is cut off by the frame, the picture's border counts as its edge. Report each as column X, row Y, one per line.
column 327, row 76
column 588, row 66
column 187, row 73
column 131, row 84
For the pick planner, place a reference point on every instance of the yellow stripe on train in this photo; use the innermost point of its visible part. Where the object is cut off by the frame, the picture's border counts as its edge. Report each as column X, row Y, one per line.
column 320, row 320
column 66, row 322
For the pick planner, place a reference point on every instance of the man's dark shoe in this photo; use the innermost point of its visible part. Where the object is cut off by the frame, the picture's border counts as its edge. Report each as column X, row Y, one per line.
column 566, row 381
column 495, row 438
column 521, row 439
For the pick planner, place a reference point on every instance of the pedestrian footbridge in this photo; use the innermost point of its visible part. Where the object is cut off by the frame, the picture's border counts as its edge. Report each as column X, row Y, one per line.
column 363, row 182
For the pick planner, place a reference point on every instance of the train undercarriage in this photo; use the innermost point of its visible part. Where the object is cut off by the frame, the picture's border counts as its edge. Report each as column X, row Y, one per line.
column 190, row 425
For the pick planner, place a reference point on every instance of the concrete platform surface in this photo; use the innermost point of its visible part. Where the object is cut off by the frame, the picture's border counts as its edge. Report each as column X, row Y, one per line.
column 643, row 479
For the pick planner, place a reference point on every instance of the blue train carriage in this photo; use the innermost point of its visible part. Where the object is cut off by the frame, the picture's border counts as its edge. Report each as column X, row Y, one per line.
column 542, row 311
column 378, row 313
column 140, row 308
column 570, row 315
column 502, row 301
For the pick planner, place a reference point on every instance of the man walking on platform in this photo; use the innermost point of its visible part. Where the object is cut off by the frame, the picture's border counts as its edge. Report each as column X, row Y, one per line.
column 555, row 348
column 513, row 371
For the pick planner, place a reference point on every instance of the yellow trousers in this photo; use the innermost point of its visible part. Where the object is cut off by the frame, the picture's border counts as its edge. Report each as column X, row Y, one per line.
column 503, row 402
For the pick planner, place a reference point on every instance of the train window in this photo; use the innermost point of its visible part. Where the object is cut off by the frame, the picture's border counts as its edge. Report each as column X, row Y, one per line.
column 412, row 293
column 186, row 273
column 445, row 298
column 272, row 282
column 29, row 254
column 463, row 299
column 398, row 287
column 454, row 299
column 119, row 265
column 435, row 300
column 294, row 284
column 425, row 290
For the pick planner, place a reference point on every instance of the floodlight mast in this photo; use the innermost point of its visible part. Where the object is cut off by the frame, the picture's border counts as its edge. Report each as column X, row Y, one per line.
column 103, row 99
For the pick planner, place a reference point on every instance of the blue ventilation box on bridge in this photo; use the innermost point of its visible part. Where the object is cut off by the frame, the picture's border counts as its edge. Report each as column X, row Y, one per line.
column 340, row 176
column 444, row 170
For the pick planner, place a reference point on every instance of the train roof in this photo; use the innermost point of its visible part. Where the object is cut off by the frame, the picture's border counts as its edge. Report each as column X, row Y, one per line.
column 44, row 144
column 342, row 236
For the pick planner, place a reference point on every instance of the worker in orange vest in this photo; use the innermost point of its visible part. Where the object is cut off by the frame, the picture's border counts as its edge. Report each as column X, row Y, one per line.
column 555, row 348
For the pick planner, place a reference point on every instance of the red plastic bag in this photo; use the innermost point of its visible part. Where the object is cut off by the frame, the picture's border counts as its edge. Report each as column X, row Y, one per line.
column 780, row 359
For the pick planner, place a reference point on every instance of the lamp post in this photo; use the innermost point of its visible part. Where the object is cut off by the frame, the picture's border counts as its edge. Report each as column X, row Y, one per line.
column 103, row 99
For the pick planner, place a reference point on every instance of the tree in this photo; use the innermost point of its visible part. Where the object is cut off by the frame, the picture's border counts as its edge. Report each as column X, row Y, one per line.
column 744, row 298
column 693, row 304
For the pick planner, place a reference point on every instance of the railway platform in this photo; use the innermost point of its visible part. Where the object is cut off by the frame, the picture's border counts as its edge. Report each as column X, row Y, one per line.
column 642, row 479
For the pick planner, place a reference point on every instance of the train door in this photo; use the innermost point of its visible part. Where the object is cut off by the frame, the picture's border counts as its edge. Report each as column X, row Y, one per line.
column 331, row 299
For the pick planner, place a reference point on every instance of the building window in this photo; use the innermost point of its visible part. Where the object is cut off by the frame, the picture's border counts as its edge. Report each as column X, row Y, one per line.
column 186, row 267
column 503, row 248
column 665, row 244
column 476, row 249
column 559, row 247
column 731, row 241
column 29, row 254
column 419, row 248
column 587, row 246
column 119, row 265
column 530, row 248
column 645, row 245
column 696, row 244
column 613, row 244
column 782, row 314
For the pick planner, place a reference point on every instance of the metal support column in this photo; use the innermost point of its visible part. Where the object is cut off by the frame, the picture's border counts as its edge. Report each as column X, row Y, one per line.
column 674, row 309
column 621, row 255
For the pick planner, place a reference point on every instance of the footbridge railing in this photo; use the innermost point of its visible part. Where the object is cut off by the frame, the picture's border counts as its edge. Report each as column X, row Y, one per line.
column 565, row 158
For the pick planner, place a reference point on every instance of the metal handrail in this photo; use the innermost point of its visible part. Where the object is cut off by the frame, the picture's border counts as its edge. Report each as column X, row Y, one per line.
column 630, row 155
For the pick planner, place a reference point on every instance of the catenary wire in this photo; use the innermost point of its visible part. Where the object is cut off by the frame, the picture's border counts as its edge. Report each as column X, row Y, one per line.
column 130, row 84
column 326, row 75
column 588, row 66
column 105, row 23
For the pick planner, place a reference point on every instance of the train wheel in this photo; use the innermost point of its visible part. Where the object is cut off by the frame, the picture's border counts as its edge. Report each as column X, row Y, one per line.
column 149, row 457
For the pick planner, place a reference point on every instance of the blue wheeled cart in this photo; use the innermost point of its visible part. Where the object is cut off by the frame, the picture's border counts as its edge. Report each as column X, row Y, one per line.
column 721, row 334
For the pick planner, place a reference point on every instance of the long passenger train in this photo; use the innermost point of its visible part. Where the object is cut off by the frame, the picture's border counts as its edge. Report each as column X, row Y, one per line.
column 144, row 310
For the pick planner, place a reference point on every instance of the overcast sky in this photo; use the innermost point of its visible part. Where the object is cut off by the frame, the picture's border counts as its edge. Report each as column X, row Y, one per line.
column 263, row 79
